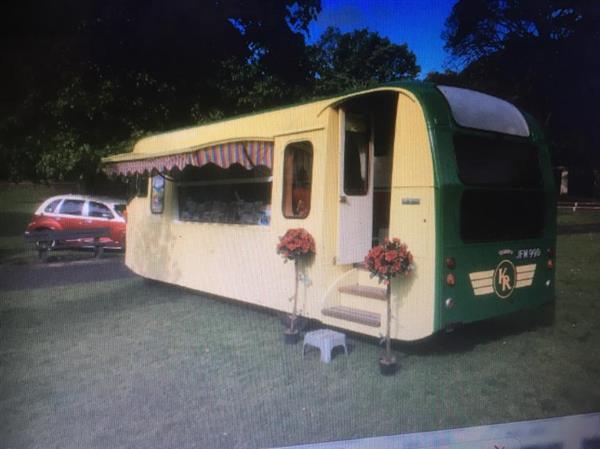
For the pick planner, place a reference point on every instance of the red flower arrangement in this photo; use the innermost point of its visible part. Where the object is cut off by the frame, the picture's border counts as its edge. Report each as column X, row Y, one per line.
column 296, row 243
column 389, row 259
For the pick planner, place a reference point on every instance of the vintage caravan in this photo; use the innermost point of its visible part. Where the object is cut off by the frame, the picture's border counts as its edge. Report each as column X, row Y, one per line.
column 463, row 178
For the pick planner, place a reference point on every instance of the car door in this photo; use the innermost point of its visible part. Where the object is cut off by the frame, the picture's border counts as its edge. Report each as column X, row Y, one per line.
column 70, row 215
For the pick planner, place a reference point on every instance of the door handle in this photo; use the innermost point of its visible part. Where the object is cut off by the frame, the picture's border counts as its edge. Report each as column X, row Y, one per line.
column 343, row 199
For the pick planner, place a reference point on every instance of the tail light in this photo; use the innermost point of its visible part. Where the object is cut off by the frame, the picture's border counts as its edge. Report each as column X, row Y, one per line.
column 550, row 263
column 451, row 279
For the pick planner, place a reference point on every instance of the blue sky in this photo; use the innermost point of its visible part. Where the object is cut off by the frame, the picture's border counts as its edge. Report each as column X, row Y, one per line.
column 419, row 23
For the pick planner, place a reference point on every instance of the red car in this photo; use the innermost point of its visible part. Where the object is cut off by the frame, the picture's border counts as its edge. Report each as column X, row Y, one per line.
column 67, row 212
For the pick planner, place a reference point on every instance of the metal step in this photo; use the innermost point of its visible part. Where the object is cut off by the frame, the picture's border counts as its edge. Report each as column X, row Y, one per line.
column 354, row 315
column 364, row 290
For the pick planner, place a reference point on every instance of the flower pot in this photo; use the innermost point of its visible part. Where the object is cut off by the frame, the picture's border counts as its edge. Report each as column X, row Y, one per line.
column 291, row 336
column 387, row 365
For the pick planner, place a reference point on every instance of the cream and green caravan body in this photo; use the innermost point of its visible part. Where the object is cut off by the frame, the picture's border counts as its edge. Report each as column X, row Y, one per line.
column 462, row 178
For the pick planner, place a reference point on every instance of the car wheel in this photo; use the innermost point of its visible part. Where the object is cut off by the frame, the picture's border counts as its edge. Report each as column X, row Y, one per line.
column 45, row 244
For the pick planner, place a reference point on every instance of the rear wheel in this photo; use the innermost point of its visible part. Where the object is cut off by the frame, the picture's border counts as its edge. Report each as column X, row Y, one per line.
column 43, row 246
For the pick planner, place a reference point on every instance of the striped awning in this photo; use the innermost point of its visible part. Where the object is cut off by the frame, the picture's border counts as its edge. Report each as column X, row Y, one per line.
column 249, row 154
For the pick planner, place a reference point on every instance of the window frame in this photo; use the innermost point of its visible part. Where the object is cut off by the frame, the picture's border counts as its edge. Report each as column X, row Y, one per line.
column 287, row 186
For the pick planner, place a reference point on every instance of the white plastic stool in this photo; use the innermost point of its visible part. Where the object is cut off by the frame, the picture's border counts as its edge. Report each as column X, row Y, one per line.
column 325, row 340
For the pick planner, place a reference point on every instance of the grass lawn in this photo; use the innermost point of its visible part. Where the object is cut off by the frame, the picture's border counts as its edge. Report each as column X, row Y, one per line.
column 129, row 363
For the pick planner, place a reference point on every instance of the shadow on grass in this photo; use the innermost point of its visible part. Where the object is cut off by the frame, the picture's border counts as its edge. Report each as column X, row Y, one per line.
column 464, row 338
column 467, row 337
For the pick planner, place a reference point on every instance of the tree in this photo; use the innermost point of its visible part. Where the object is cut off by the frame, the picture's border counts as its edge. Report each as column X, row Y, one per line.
column 539, row 54
column 86, row 77
column 359, row 58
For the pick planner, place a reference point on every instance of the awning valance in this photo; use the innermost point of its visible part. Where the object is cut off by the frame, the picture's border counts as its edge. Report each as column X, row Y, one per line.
column 249, row 154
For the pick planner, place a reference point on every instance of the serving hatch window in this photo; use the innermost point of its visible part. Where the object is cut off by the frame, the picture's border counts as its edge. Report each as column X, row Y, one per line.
column 235, row 195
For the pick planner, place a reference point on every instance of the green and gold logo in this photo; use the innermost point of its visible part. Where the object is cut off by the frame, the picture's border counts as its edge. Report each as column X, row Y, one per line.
column 505, row 278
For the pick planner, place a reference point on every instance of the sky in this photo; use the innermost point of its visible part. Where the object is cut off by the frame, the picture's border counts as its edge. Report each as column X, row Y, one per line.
column 418, row 23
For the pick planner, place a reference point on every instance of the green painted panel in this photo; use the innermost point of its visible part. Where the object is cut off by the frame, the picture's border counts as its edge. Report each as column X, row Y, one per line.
column 477, row 257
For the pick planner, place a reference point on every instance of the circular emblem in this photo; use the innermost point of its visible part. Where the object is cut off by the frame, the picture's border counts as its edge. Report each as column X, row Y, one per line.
column 505, row 278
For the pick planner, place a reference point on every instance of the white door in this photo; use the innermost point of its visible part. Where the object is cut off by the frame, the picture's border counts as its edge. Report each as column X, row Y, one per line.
column 355, row 217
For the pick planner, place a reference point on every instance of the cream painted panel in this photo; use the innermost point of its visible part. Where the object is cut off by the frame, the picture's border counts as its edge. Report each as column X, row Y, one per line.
column 413, row 165
column 263, row 125
column 235, row 261
column 199, row 255
column 414, row 296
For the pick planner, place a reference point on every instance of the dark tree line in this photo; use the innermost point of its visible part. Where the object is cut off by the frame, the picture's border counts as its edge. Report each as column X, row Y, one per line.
column 540, row 54
column 85, row 78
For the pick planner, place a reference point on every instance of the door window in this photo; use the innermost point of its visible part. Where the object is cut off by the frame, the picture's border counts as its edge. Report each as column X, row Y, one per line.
column 356, row 155
column 99, row 210
column 72, row 207
column 297, row 179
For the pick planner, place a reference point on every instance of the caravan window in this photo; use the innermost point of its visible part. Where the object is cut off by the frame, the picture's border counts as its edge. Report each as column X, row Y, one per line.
column 211, row 194
column 297, row 180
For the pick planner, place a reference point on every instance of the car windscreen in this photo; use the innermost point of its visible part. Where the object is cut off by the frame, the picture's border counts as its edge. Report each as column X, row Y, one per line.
column 120, row 209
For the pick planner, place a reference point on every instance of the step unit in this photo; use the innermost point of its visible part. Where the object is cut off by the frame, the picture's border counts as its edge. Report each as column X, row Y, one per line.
column 354, row 315
column 358, row 303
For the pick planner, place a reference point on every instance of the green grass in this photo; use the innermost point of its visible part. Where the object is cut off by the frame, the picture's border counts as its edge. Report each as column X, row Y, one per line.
column 135, row 364
column 580, row 217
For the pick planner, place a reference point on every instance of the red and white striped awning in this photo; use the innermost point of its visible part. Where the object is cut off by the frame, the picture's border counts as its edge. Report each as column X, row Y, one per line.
column 249, row 154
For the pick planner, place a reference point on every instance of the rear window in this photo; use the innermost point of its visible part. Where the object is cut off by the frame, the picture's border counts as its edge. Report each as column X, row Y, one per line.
column 496, row 161
column 477, row 110
column 497, row 215
column 50, row 208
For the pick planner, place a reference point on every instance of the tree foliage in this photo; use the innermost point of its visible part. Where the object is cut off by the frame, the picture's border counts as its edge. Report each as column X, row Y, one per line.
column 86, row 78
column 83, row 78
column 539, row 54
column 359, row 58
